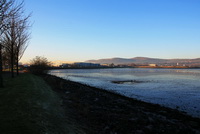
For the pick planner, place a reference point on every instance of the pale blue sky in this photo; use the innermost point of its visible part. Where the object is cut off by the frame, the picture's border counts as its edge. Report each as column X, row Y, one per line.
column 79, row 30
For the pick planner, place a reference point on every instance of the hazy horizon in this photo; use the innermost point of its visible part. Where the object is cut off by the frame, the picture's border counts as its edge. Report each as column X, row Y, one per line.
column 65, row 61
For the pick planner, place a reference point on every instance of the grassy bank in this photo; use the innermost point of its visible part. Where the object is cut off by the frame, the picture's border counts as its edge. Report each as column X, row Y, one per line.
column 29, row 106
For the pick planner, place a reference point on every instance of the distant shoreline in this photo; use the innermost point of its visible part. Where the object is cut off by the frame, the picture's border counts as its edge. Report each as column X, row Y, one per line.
column 158, row 67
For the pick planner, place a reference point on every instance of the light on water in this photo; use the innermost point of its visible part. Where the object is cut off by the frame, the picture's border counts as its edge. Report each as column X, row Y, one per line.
column 175, row 88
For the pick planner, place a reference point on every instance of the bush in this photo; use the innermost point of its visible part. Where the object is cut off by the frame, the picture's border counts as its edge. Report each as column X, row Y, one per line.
column 39, row 65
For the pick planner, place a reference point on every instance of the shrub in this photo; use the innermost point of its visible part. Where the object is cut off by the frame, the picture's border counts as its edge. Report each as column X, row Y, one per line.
column 39, row 65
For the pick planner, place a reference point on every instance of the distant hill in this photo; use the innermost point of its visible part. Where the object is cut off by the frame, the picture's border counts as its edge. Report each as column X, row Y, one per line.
column 145, row 60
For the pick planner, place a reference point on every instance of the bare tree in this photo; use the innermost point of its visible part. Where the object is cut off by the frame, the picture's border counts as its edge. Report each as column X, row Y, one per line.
column 23, row 35
column 5, row 11
column 15, row 35
column 9, row 41
column 18, row 36
column 39, row 65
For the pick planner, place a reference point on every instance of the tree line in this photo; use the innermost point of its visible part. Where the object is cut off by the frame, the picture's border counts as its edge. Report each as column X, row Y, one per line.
column 14, row 35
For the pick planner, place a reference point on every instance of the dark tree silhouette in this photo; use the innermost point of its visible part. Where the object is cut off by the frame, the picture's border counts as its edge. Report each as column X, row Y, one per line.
column 5, row 11
column 14, row 35
column 15, row 38
column 23, row 36
column 39, row 65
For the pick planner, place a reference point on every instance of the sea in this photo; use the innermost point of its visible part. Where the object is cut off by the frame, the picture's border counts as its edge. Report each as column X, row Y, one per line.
column 173, row 88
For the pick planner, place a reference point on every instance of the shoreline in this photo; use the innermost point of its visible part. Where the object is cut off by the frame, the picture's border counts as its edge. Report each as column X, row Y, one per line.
column 148, row 67
column 101, row 111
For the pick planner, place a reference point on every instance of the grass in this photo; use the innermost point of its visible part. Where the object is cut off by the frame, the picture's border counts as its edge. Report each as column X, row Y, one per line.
column 29, row 106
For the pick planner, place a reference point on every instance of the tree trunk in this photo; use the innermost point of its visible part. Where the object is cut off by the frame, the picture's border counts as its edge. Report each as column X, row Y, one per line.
column 17, row 64
column 12, row 61
column 1, row 68
column 12, row 68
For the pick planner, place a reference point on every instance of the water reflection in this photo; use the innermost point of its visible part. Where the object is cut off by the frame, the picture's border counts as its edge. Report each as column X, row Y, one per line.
column 169, row 87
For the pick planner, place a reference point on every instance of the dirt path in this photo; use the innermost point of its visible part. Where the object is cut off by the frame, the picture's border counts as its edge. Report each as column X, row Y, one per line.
column 100, row 112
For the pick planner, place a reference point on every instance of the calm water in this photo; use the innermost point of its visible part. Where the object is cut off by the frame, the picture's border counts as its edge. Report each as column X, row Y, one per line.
column 175, row 88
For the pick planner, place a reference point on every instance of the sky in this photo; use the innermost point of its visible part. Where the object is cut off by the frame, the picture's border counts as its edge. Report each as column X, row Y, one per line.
column 79, row 30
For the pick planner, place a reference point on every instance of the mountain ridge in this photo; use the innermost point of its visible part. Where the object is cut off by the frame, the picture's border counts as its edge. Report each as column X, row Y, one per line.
column 144, row 60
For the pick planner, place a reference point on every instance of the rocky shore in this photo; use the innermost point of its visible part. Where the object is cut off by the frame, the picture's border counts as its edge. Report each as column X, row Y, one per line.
column 96, row 111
